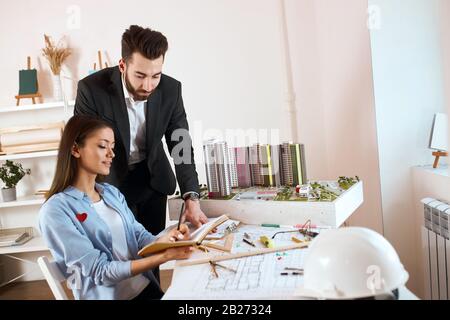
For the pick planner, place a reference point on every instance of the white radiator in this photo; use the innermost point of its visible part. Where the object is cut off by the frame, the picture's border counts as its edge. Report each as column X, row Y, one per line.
column 436, row 249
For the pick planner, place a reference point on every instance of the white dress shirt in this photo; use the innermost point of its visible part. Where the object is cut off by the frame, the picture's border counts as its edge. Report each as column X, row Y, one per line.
column 136, row 115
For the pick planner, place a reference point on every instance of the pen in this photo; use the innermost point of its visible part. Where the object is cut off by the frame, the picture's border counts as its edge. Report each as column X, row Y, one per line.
column 249, row 242
column 293, row 273
column 181, row 214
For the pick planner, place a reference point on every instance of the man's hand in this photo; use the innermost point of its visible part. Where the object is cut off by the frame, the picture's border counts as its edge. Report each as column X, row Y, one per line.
column 194, row 214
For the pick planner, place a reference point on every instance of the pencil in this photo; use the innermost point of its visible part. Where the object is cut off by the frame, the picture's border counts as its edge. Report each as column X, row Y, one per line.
column 181, row 214
column 249, row 242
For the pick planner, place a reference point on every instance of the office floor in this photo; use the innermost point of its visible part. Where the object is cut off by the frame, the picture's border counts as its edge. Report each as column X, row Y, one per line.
column 39, row 290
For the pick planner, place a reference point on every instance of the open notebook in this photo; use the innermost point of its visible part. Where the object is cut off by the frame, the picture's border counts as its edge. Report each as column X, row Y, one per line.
column 196, row 238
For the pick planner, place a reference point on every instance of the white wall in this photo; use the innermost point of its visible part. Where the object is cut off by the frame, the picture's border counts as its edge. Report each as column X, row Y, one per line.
column 407, row 64
column 330, row 48
column 444, row 20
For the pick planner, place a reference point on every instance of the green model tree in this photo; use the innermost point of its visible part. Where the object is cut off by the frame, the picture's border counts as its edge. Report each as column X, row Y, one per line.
column 347, row 182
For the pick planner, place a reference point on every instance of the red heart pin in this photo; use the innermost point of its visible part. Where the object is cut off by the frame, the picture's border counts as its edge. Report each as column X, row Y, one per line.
column 81, row 216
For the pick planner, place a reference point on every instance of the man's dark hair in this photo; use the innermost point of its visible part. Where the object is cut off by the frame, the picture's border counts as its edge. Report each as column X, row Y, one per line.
column 151, row 44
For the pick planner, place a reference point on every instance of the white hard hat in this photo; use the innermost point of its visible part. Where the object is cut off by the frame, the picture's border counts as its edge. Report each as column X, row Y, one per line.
column 351, row 263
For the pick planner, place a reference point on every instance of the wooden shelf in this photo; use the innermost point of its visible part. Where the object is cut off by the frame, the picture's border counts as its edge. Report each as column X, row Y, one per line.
column 24, row 201
column 35, row 244
column 29, row 155
column 40, row 106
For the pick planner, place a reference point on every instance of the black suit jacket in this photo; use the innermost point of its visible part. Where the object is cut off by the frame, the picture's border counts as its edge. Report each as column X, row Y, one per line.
column 101, row 94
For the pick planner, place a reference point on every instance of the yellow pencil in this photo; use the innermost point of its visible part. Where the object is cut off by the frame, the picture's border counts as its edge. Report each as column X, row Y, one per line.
column 296, row 240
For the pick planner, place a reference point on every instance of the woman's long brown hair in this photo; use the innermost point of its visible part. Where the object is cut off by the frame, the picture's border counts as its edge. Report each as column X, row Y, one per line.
column 77, row 129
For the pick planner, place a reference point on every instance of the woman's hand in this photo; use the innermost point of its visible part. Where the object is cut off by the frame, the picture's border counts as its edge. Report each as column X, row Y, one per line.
column 178, row 253
column 176, row 235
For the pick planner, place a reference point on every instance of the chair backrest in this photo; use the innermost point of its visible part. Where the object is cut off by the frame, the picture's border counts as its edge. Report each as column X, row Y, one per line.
column 54, row 277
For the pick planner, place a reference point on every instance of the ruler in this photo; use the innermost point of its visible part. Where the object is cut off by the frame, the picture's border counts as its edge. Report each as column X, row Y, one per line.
column 241, row 255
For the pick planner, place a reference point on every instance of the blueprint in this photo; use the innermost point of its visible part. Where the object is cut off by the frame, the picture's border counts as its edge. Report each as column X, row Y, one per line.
column 256, row 277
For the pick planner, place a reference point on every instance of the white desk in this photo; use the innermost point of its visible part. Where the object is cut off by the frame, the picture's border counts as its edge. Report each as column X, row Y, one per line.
column 257, row 278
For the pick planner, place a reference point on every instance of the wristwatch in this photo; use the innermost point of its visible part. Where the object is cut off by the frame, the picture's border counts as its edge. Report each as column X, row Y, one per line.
column 192, row 196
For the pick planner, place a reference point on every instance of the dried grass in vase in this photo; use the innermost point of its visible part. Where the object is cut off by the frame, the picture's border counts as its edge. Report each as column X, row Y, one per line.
column 55, row 54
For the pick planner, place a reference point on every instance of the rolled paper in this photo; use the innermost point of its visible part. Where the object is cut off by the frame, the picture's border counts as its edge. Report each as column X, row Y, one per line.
column 29, row 137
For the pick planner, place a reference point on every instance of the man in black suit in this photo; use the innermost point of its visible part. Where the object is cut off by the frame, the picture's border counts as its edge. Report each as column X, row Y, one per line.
column 143, row 104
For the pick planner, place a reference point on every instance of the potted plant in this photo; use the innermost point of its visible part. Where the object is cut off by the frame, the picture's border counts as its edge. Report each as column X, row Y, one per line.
column 56, row 55
column 11, row 173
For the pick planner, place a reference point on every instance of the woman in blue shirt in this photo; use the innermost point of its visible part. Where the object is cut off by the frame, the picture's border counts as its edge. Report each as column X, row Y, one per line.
column 92, row 234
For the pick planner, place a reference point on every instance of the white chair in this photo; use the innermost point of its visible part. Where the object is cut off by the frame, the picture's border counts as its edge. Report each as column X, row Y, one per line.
column 54, row 277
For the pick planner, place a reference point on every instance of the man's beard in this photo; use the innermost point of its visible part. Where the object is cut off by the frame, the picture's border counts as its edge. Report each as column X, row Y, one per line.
column 134, row 93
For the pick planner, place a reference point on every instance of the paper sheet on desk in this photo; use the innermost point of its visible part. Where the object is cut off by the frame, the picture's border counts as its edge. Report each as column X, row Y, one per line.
column 257, row 277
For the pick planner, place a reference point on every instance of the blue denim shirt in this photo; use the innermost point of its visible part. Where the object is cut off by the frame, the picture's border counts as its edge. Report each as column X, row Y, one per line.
column 81, row 242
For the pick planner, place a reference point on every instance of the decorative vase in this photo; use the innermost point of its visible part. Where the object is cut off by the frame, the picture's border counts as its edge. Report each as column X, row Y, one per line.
column 9, row 194
column 57, row 87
